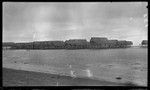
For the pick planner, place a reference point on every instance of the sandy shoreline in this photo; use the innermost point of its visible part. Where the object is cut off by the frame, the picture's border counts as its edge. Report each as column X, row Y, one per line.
column 12, row 77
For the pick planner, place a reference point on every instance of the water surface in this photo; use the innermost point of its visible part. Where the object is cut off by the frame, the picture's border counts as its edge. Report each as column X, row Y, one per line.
column 130, row 64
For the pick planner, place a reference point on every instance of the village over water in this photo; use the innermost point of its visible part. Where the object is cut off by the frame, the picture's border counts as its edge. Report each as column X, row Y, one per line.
column 94, row 43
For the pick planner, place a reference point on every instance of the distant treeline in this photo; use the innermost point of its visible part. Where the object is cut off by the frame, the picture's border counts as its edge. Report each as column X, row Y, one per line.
column 95, row 43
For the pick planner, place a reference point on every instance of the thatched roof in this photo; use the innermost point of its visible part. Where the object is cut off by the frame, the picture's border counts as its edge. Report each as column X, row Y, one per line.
column 112, row 41
column 144, row 42
column 8, row 43
column 124, row 42
column 76, row 41
column 98, row 39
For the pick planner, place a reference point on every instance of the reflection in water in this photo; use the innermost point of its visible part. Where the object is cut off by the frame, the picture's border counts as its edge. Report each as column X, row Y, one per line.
column 72, row 73
column 88, row 72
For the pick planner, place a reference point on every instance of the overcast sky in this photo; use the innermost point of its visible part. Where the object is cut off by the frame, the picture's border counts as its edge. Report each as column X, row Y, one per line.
column 62, row 21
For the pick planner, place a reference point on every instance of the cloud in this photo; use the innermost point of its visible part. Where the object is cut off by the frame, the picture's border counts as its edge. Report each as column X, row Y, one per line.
column 61, row 21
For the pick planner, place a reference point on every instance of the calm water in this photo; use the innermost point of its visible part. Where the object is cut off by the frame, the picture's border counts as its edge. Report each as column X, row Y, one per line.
column 130, row 64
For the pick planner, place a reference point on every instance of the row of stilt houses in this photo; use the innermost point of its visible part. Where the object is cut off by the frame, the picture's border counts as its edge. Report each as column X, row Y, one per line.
column 94, row 43
column 144, row 43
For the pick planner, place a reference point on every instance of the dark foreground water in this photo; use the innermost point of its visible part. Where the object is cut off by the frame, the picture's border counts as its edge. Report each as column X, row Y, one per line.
column 118, row 65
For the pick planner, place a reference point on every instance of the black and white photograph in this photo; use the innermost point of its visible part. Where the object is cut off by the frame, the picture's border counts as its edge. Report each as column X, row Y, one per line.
column 75, row 44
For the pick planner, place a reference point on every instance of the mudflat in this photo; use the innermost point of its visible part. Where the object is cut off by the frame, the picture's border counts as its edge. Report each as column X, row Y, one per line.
column 91, row 67
column 12, row 77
